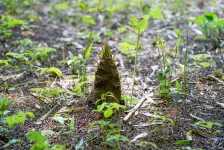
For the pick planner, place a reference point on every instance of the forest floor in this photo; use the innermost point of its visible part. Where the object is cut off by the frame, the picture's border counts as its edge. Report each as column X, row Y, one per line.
column 205, row 101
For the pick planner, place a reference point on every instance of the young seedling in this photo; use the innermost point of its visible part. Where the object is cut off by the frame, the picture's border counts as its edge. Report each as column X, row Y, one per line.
column 138, row 26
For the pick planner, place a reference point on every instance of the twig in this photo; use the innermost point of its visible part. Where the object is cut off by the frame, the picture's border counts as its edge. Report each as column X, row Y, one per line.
column 47, row 114
column 137, row 106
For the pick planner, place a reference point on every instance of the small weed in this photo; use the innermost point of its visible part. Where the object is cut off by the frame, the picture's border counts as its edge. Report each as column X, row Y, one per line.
column 41, row 142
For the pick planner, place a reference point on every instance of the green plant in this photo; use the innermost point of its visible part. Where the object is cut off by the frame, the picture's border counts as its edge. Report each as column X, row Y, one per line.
column 7, row 23
column 138, row 26
column 207, row 124
column 210, row 24
column 41, row 142
column 7, row 121
column 12, row 120
column 107, row 78
column 165, row 72
column 109, row 134
column 128, row 99
column 203, row 60
column 62, row 118
column 108, row 108
column 146, row 144
column 13, row 6
column 186, row 70
column 45, row 94
column 52, row 71
column 165, row 123
column 30, row 57
column 4, row 103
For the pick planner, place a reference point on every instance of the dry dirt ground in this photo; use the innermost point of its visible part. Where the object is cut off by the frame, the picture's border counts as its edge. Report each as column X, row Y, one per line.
column 203, row 100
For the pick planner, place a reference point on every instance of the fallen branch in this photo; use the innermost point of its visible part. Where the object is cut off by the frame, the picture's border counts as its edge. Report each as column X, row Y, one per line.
column 220, row 104
column 137, row 106
column 46, row 115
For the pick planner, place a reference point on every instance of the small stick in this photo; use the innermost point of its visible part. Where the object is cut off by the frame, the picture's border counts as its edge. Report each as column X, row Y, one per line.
column 47, row 114
column 137, row 106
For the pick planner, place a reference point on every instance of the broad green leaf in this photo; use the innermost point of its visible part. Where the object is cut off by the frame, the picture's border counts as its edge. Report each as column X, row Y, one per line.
column 156, row 13
column 200, row 20
column 36, row 136
column 18, row 118
column 210, row 16
column 88, row 19
column 108, row 113
column 82, row 6
column 205, row 64
column 88, row 51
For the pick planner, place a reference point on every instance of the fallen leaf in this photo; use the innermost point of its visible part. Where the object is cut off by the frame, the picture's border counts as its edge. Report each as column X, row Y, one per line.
column 197, row 118
column 202, row 133
column 142, row 135
column 142, row 125
column 220, row 104
column 189, row 135
column 27, row 33
column 209, row 107
column 163, row 102
column 71, row 109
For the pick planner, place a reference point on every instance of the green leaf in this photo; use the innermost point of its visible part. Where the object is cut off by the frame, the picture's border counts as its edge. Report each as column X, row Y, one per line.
column 178, row 86
column 210, row 16
column 118, row 106
column 145, row 143
column 36, row 136
column 61, row 6
column 47, row 132
column 10, row 142
column 82, row 6
column 55, row 71
column 200, row 20
column 200, row 57
column 88, row 51
column 183, row 142
column 60, row 119
column 18, row 118
column 4, row 62
column 156, row 13
column 108, row 113
column 42, row 70
column 205, row 64
column 72, row 123
column 157, row 129
column 88, row 19
column 30, row 114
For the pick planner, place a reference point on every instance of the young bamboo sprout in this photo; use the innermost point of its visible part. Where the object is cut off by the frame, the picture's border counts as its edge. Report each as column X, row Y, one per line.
column 107, row 78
